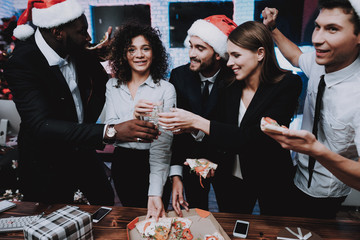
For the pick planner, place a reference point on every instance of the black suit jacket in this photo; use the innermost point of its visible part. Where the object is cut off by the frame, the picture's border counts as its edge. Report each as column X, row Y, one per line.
column 261, row 157
column 188, row 92
column 55, row 150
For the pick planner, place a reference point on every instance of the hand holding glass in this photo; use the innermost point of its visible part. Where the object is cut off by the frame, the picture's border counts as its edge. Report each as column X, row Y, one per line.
column 148, row 111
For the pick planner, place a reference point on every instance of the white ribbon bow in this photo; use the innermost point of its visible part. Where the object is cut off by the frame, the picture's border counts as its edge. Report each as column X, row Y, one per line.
column 299, row 235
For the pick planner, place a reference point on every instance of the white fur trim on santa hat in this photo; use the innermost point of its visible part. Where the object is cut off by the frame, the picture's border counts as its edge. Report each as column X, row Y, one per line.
column 210, row 34
column 57, row 14
column 356, row 5
column 22, row 32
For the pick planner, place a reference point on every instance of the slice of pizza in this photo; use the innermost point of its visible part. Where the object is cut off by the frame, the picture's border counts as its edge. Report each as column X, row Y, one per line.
column 201, row 166
column 150, row 229
column 214, row 236
column 102, row 41
column 180, row 223
column 270, row 125
column 180, row 229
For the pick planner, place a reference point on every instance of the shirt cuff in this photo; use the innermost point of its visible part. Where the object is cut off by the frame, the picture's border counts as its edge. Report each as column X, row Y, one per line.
column 199, row 136
column 176, row 170
column 105, row 126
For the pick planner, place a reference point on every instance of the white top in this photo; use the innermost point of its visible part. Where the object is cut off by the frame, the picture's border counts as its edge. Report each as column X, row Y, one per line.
column 237, row 168
column 339, row 125
column 120, row 106
column 67, row 68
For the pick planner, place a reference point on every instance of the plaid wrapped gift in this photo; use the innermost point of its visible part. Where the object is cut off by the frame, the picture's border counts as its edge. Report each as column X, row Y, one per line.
column 65, row 223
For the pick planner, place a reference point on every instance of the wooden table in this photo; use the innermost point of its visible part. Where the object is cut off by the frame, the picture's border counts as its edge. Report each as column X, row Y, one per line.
column 113, row 226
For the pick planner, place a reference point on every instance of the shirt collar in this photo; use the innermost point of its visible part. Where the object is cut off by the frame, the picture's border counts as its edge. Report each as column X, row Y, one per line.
column 210, row 79
column 149, row 81
column 51, row 56
column 334, row 78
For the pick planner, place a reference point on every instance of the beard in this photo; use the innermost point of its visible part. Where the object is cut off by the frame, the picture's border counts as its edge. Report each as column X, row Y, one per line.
column 203, row 66
column 75, row 49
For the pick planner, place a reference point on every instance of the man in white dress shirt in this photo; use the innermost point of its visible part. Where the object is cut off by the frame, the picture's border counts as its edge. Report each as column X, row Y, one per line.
column 336, row 39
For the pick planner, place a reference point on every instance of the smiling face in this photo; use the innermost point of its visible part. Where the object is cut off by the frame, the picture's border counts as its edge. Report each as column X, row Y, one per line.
column 334, row 40
column 244, row 63
column 139, row 55
column 202, row 57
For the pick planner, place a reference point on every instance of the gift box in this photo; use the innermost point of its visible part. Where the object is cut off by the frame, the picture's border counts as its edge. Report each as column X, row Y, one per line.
column 297, row 233
column 66, row 223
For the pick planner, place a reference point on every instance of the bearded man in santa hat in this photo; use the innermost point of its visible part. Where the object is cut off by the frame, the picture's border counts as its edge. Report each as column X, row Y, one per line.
column 197, row 85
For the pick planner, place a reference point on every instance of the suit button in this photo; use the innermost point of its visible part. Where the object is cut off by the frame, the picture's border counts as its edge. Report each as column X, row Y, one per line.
column 62, row 99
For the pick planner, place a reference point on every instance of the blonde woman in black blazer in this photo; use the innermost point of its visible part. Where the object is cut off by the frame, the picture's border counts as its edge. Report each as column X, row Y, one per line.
column 261, row 89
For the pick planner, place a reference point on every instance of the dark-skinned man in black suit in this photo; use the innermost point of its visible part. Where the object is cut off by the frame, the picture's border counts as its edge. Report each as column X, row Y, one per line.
column 59, row 91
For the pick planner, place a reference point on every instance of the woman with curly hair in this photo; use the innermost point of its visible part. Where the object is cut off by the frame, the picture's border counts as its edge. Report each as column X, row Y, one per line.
column 139, row 64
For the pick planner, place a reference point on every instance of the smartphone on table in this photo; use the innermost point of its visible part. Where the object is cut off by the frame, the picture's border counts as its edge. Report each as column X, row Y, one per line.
column 100, row 214
column 241, row 229
column 6, row 205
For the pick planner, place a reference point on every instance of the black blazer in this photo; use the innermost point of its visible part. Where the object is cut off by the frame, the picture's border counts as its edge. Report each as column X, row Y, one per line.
column 188, row 92
column 52, row 145
column 261, row 157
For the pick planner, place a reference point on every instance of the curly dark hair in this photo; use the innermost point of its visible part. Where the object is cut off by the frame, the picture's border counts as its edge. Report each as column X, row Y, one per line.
column 122, row 41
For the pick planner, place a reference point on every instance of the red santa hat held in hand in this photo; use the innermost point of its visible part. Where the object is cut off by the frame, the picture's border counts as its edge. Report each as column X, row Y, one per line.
column 213, row 30
column 46, row 14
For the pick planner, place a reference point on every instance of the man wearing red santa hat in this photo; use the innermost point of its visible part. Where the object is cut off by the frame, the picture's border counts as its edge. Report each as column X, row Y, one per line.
column 59, row 91
column 197, row 85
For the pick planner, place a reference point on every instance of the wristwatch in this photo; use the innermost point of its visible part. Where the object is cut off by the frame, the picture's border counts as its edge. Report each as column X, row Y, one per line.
column 110, row 134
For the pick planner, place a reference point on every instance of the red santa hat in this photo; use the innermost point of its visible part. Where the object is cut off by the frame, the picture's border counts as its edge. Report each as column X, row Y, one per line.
column 213, row 30
column 46, row 14
column 356, row 5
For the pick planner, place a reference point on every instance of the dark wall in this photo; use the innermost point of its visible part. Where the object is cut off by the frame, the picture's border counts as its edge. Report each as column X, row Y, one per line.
column 105, row 16
column 183, row 14
column 289, row 20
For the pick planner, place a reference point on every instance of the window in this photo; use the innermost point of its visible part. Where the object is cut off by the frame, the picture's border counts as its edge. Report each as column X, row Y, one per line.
column 104, row 16
column 183, row 14
column 295, row 21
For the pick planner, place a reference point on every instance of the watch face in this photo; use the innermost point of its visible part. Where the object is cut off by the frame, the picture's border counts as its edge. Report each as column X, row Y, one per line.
column 111, row 132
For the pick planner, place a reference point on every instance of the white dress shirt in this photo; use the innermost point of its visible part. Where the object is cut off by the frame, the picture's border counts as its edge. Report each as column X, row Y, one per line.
column 67, row 68
column 237, row 168
column 339, row 125
column 120, row 106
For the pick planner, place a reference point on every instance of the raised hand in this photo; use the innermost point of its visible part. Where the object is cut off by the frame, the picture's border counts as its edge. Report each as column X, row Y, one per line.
column 269, row 17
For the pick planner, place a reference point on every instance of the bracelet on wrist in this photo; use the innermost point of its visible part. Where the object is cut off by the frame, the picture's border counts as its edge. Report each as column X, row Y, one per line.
column 272, row 28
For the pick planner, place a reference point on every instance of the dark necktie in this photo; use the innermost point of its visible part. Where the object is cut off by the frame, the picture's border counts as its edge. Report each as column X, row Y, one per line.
column 318, row 106
column 205, row 95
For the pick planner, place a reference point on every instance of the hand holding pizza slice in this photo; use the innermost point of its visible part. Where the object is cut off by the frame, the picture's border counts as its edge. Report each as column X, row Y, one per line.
column 201, row 166
column 270, row 125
